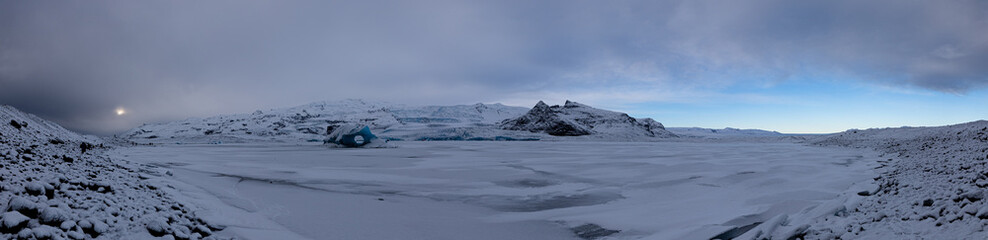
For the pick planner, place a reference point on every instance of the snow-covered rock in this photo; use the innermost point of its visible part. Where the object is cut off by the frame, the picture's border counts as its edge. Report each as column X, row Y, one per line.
column 575, row 119
column 12, row 221
column 34, row 188
column 53, row 216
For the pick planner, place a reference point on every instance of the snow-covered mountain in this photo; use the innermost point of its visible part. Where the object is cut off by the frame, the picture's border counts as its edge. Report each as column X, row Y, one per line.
column 726, row 132
column 575, row 119
column 393, row 121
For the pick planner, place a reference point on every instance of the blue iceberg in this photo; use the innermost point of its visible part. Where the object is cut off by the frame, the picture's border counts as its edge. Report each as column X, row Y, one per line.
column 353, row 135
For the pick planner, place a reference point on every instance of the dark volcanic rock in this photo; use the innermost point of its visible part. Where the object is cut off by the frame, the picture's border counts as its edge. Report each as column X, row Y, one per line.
column 15, row 124
column 543, row 118
column 592, row 231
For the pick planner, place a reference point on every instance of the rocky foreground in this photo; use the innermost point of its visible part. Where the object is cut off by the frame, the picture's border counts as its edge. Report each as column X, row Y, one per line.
column 55, row 184
column 932, row 187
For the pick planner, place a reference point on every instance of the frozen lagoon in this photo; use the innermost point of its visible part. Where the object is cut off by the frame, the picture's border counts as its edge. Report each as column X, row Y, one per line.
column 504, row 190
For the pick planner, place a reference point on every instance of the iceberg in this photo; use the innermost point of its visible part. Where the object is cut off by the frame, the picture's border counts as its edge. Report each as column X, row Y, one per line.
column 353, row 135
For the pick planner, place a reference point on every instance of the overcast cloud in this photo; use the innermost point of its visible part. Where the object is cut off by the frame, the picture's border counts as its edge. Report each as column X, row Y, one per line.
column 75, row 61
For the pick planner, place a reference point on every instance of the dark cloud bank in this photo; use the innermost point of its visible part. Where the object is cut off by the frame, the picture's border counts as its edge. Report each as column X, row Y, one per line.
column 74, row 62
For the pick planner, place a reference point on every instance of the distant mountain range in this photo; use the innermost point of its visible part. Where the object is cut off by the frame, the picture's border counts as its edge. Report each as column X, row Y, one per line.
column 414, row 123
column 725, row 132
column 477, row 122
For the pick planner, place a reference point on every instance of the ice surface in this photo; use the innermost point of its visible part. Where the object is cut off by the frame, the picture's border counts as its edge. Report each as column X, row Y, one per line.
column 507, row 190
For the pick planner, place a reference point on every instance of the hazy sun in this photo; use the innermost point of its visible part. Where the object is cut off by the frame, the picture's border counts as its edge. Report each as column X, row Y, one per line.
column 121, row 111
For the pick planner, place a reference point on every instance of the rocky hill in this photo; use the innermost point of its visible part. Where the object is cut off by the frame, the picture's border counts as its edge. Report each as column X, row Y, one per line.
column 575, row 119
column 56, row 184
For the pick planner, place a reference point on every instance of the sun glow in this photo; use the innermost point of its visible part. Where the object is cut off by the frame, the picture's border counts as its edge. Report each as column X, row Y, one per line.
column 121, row 111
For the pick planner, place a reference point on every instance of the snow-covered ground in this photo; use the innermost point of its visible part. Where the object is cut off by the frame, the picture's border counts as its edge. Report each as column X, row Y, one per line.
column 507, row 190
column 902, row 183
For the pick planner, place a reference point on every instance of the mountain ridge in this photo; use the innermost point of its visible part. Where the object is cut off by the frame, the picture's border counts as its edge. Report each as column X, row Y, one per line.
column 390, row 121
column 309, row 121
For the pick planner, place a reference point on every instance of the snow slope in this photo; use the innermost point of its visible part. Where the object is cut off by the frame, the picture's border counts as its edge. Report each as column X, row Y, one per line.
column 57, row 185
column 394, row 121
column 28, row 127
column 575, row 119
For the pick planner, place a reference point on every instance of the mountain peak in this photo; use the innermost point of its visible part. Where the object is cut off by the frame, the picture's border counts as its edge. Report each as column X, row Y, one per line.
column 541, row 104
column 572, row 104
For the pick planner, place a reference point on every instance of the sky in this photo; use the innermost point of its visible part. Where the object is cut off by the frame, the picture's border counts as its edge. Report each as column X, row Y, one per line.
column 811, row 66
